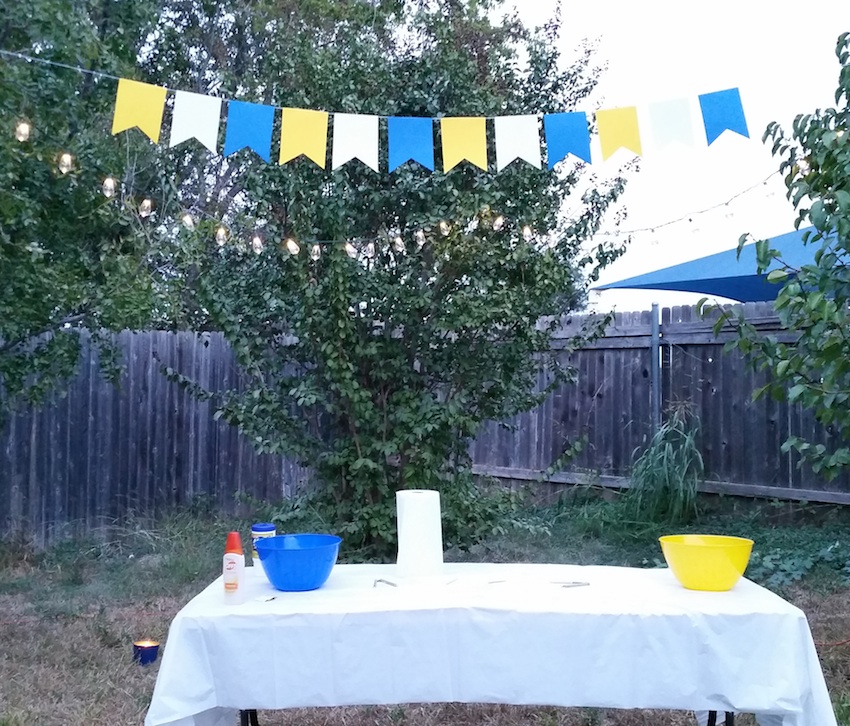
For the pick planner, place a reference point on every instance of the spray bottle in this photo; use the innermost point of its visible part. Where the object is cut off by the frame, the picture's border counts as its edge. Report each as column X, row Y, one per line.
column 233, row 570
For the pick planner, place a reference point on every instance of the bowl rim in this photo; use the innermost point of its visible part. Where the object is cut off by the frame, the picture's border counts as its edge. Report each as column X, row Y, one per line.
column 330, row 540
column 716, row 540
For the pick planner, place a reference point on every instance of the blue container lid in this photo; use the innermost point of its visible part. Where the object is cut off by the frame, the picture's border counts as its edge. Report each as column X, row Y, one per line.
column 263, row 527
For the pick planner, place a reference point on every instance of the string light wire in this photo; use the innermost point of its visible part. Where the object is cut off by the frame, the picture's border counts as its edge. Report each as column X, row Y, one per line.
column 689, row 215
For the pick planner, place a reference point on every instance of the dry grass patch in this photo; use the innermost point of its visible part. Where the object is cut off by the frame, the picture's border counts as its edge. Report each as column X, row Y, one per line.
column 69, row 619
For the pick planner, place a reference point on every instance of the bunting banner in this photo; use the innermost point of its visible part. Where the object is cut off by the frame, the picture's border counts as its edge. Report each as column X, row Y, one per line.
column 195, row 116
column 355, row 137
column 671, row 122
column 249, row 126
column 566, row 133
column 411, row 139
column 618, row 129
column 140, row 105
column 722, row 111
column 304, row 132
column 464, row 139
column 517, row 137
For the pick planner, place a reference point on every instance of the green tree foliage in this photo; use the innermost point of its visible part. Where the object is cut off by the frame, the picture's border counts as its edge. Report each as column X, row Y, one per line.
column 70, row 259
column 374, row 369
column 814, row 300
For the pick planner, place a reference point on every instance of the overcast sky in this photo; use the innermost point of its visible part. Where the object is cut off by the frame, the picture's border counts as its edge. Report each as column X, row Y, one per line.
column 782, row 58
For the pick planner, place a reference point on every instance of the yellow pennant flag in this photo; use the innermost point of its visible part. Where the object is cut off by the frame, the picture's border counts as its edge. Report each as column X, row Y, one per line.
column 304, row 132
column 618, row 127
column 464, row 138
column 139, row 104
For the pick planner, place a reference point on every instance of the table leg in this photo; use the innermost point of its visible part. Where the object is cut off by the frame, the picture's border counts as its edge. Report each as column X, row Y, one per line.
column 248, row 717
column 712, row 718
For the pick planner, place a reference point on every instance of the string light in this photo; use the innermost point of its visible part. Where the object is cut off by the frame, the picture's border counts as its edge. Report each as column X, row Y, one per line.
column 315, row 252
column 350, row 250
column 145, row 208
column 108, row 187
column 221, row 236
column 292, row 246
column 187, row 220
column 444, row 228
column 66, row 162
column 370, row 250
column 498, row 223
column 398, row 244
column 527, row 233
column 22, row 131
column 689, row 217
column 257, row 244
column 420, row 238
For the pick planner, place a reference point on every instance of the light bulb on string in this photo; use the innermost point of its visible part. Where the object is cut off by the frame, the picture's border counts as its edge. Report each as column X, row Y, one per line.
column 221, row 236
column 315, row 253
column 350, row 250
column 66, row 162
column 257, row 244
column 398, row 243
column 498, row 223
column 369, row 250
column 22, row 131
column 292, row 246
column 420, row 238
column 108, row 187
column 187, row 221
column 527, row 233
column 444, row 228
column 145, row 208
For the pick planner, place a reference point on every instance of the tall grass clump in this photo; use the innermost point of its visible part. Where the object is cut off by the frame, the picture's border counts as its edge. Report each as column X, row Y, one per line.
column 666, row 475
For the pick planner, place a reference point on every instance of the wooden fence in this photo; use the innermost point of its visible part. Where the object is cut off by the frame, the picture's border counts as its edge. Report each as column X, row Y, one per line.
column 101, row 452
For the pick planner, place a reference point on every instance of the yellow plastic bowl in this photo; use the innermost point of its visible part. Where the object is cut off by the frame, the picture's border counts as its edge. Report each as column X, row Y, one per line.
column 706, row 561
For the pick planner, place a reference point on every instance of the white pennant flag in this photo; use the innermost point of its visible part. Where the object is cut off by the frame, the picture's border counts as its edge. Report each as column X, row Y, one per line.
column 355, row 137
column 671, row 121
column 195, row 117
column 517, row 137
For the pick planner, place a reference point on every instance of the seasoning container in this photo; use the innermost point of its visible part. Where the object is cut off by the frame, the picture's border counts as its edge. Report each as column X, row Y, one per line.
column 258, row 531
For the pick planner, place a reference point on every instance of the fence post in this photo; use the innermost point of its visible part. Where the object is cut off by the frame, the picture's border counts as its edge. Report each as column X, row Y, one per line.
column 655, row 372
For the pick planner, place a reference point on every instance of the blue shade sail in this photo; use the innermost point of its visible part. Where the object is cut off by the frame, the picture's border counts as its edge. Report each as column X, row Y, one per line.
column 724, row 274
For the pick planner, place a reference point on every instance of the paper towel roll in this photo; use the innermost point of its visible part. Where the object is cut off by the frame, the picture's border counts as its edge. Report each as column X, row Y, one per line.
column 420, row 533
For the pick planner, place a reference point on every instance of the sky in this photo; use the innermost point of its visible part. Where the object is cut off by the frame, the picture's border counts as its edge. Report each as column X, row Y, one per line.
column 686, row 202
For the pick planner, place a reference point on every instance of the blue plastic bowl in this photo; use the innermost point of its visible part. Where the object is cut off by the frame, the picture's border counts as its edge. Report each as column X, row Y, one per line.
column 298, row 562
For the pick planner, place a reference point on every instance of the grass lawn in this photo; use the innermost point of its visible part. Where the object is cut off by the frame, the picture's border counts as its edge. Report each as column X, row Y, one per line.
column 70, row 615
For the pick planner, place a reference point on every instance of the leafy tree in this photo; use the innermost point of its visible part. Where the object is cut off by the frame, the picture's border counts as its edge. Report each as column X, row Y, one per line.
column 417, row 305
column 70, row 258
column 814, row 300
column 376, row 365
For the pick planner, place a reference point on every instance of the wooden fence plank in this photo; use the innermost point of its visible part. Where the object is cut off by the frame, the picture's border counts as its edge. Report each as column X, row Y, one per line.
column 147, row 445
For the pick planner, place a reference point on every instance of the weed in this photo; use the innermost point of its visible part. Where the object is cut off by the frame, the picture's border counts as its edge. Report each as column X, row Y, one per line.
column 842, row 711
column 667, row 475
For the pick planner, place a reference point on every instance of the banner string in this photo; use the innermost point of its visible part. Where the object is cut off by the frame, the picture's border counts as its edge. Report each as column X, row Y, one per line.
column 57, row 64
column 618, row 233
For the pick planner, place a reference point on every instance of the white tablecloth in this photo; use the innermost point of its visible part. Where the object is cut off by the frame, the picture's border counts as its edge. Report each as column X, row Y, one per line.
column 491, row 633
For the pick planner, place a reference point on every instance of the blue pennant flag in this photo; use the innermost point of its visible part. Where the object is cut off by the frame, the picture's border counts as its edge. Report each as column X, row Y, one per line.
column 249, row 125
column 410, row 138
column 566, row 133
column 722, row 110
